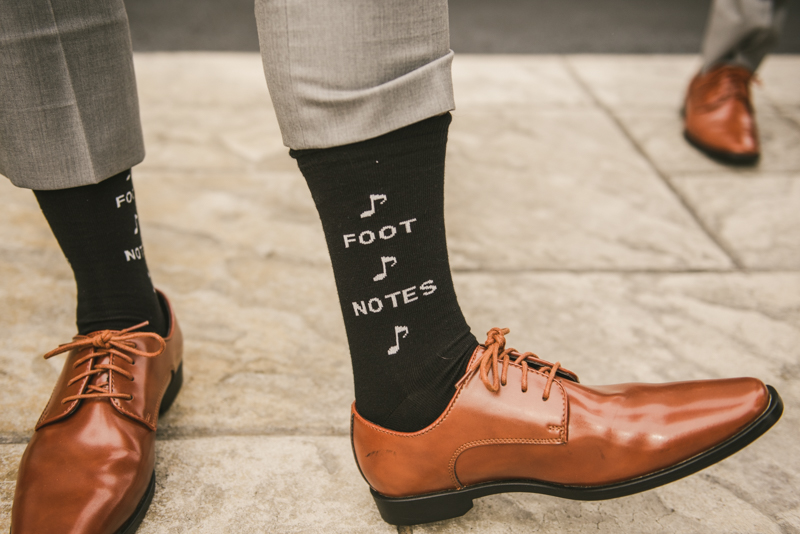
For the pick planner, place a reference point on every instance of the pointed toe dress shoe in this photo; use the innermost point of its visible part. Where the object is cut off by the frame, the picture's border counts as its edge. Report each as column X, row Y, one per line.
column 88, row 469
column 520, row 424
column 719, row 118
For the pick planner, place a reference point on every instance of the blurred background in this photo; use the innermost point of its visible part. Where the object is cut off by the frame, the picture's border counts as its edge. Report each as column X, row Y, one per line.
column 476, row 26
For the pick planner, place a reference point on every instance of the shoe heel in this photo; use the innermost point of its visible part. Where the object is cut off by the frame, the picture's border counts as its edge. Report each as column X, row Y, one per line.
column 172, row 390
column 423, row 509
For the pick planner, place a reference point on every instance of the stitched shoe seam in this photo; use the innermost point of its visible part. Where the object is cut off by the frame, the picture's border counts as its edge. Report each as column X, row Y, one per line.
column 493, row 441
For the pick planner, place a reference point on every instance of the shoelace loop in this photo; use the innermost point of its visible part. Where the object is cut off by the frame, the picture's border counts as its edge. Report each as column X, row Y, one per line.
column 496, row 355
column 104, row 343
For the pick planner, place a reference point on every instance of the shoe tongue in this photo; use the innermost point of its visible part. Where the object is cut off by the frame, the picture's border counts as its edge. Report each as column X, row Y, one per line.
column 101, row 379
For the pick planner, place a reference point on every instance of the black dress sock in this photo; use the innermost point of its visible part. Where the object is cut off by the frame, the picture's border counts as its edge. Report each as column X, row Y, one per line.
column 98, row 230
column 381, row 203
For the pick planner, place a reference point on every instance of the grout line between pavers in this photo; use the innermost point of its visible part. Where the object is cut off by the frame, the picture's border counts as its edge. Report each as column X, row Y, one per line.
column 590, row 271
column 777, row 109
column 718, row 241
column 14, row 439
column 795, row 122
column 789, row 119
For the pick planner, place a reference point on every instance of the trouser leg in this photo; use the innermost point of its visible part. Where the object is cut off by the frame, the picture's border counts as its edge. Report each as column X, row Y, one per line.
column 69, row 114
column 343, row 71
column 361, row 90
column 742, row 32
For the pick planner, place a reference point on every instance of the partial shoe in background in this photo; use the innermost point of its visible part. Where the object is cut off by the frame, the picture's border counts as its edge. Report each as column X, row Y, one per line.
column 719, row 118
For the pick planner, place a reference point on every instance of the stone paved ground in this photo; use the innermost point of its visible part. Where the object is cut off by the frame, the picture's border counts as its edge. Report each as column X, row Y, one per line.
column 577, row 216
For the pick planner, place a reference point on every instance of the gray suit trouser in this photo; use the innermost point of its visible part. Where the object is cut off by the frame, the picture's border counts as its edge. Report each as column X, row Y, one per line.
column 742, row 32
column 338, row 71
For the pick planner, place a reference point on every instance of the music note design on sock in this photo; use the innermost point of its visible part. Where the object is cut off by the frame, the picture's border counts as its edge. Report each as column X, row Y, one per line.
column 394, row 349
column 384, row 260
column 371, row 211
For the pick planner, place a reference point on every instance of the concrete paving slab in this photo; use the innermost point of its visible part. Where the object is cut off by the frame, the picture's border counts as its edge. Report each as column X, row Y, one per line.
column 267, row 214
column 245, row 485
column 37, row 292
column 660, row 134
column 614, row 327
column 695, row 505
column 758, row 216
column 765, row 475
column 208, row 111
column 229, row 79
column 793, row 113
column 780, row 77
column 9, row 464
column 254, row 368
column 246, row 261
column 562, row 189
column 529, row 82
column 648, row 82
column 635, row 81
column 215, row 138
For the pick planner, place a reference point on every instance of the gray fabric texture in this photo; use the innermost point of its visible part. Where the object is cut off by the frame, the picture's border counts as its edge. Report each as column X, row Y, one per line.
column 339, row 72
column 742, row 32
column 343, row 71
column 69, row 113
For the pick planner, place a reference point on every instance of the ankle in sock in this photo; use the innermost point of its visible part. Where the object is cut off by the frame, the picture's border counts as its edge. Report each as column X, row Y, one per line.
column 97, row 227
column 381, row 203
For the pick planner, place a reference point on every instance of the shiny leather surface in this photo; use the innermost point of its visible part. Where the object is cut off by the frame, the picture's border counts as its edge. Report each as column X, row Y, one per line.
column 579, row 436
column 89, row 461
column 719, row 113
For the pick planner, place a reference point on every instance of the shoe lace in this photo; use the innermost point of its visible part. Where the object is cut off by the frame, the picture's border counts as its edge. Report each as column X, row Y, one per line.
column 106, row 343
column 730, row 83
column 496, row 355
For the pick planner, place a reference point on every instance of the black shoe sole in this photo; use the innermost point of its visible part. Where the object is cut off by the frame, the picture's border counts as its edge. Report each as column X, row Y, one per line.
column 728, row 158
column 132, row 524
column 449, row 504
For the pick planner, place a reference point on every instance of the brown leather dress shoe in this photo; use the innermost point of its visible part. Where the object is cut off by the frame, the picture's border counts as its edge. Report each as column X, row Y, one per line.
column 718, row 115
column 527, row 425
column 89, row 467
